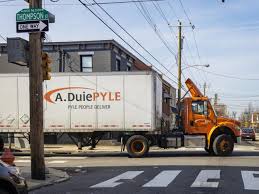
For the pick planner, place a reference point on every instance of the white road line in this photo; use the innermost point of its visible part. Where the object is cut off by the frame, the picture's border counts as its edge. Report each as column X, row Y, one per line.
column 204, row 176
column 57, row 162
column 22, row 161
column 163, row 179
column 250, row 181
column 113, row 182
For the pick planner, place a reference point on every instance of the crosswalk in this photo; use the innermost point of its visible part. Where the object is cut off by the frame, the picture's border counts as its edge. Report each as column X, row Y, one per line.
column 205, row 179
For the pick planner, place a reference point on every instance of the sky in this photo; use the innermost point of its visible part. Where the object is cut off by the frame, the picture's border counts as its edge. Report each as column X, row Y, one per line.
column 226, row 36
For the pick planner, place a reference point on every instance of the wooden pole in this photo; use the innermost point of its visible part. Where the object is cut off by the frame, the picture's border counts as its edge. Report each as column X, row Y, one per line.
column 36, row 103
column 179, row 72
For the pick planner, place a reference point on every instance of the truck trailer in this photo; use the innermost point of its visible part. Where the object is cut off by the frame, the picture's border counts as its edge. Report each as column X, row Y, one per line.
column 88, row 105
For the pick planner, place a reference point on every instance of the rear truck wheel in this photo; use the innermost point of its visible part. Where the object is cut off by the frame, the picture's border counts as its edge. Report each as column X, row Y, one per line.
column 223, row 145
column 137, row 146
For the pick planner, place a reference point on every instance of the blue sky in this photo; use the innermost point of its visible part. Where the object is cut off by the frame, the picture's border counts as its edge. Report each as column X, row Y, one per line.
column 227, row 36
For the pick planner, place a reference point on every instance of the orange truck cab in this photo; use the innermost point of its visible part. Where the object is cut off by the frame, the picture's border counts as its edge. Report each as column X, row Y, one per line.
column 198, row 118
column 198, row 127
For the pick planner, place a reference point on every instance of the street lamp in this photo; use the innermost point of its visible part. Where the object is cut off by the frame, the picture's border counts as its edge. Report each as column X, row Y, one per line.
column 189, row 66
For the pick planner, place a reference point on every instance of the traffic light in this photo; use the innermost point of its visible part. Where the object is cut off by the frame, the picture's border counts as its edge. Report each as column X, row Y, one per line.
column 46, row 66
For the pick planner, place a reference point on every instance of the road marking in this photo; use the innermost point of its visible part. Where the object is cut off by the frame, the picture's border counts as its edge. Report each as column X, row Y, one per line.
column 57, row 162
column 163, row 179
column 204, row 176
column 250, row 181
column 22, row 161
column 113, row 182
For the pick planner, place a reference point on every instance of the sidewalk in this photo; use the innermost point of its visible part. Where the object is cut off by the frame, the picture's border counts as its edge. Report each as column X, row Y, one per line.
column 52, row 176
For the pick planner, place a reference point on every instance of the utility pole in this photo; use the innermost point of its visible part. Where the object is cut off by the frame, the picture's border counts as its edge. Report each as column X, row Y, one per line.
column 179, row 70
column 36, row 102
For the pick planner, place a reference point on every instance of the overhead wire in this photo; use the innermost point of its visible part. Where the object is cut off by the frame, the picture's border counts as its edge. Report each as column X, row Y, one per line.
column 144, row 12
column 4, row 1
column 194, row 38
column 90, row 4
column 149, row 19
column 85, row 5
column 229, row 76
column 123, row 28
column 160, row 10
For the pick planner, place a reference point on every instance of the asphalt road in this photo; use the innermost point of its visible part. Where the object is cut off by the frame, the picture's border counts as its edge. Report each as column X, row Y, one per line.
column 170, row 171
column 158, row 179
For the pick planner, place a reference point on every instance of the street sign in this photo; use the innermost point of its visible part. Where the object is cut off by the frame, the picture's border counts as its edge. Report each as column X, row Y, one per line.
column 32, row 26
column 32, row 15
column 32, row 20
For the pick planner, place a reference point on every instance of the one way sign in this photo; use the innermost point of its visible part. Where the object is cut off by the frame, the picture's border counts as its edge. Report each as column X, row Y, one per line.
column 32, row 26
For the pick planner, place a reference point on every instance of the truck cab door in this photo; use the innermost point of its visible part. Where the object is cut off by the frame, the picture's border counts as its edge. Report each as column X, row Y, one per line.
column 199, row 120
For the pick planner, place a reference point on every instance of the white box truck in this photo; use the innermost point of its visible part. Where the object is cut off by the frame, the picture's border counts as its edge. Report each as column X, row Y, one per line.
column 88, row 105
column 85, row 105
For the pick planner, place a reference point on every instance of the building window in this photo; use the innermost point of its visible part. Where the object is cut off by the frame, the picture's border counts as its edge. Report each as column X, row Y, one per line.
column 118, row 65
column 86, row 63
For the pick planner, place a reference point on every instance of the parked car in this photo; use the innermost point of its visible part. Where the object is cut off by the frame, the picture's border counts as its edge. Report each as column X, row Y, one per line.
column 248, row 133
column 11, row 181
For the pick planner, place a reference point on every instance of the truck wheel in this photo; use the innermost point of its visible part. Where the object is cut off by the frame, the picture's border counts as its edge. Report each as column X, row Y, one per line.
column 137, row 146
column 223, row 145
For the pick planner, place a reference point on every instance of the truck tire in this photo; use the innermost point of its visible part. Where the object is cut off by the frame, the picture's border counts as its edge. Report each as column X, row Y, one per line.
column 137, row 146
column 223, row 145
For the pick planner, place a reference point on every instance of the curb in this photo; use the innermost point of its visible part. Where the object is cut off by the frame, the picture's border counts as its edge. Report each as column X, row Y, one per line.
column 45, row 184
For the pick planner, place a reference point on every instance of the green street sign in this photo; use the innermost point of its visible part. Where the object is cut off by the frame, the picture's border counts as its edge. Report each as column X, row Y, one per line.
column 32, row 15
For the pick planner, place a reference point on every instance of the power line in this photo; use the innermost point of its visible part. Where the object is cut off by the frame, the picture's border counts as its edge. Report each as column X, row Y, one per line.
column 161, row 12
column 149, row 19
column 194, row 37
column 185, row 12
column 85, row 5
column 4, row 1
column 89, row 4
column 228, row 76
column 132, row 37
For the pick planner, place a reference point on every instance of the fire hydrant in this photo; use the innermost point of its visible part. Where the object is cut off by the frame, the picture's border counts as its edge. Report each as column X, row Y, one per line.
column 8, row 157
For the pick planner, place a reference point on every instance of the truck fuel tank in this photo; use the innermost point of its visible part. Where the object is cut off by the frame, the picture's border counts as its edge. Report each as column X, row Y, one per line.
column 197, row 141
